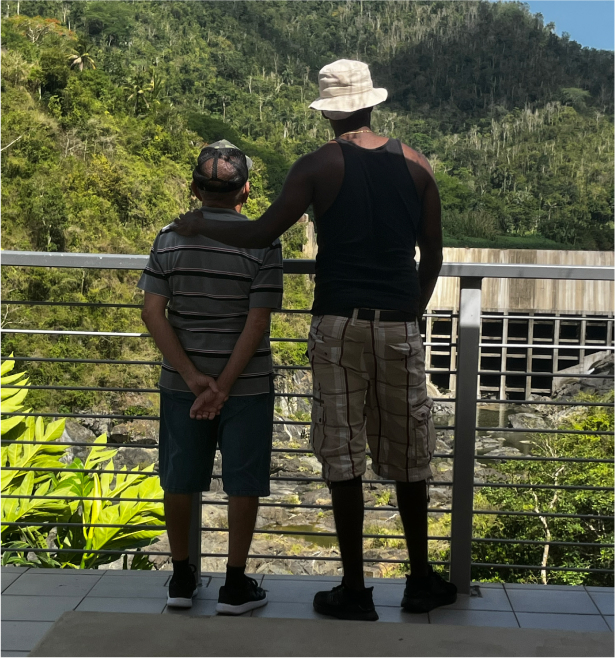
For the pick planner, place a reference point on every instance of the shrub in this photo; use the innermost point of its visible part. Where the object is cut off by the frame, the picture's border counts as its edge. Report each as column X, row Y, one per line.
column 48, row 500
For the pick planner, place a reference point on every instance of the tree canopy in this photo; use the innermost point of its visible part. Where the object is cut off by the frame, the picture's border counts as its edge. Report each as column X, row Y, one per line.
column 110, row 104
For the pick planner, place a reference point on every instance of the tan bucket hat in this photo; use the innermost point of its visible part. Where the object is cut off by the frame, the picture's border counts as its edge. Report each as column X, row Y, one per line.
column 346, row 86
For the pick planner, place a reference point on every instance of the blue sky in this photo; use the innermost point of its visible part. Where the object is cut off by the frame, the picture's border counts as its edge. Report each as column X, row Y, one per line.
column 590, row 22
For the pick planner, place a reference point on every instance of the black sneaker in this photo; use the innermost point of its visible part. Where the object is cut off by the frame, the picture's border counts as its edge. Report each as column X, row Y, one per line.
column 425, row 594
column 344, row 603
column 182, row 588
column 237, row 600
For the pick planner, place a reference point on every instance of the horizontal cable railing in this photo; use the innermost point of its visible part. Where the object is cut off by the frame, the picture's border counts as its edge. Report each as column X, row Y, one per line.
column 469, row 343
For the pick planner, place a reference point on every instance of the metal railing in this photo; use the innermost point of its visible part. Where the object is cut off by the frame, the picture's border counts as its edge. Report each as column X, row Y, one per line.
column 468, row 345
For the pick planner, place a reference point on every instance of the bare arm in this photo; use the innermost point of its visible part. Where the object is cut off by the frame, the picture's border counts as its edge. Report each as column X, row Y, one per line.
column 153, row 315
column 257, row 323
column 287, row 209
column 430, row 242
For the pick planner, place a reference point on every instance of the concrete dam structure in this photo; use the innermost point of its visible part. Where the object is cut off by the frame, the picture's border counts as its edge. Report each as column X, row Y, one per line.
column 528, row 312
column 525, row 295
column 532, row 313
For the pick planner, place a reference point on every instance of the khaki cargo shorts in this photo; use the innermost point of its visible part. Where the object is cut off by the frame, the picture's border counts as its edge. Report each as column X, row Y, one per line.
column 369, row 388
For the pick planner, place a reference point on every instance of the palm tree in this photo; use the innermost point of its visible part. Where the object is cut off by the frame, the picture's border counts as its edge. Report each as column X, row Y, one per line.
column 156, row 86
column 82, row 61
column 140, row 89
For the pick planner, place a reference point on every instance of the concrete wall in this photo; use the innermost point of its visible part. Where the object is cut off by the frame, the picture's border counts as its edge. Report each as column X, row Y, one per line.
column 528, row 294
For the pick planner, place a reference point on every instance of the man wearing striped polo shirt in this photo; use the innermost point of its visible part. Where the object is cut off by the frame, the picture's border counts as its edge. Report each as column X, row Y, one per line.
column 215, row 341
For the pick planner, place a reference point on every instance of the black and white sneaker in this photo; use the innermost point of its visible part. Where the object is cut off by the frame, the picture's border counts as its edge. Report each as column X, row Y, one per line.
column 425, row 594
column 182, row 588
column 237, row 600
column 345, row 603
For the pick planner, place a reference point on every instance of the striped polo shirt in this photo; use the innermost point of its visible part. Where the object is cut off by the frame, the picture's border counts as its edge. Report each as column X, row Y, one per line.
column 211, row 287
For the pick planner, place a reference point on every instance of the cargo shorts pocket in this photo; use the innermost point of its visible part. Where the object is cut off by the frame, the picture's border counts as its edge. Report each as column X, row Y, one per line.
column 324, row 350
column 395, row 351
column 423, row 431
column 318, row 413
column 317, row 428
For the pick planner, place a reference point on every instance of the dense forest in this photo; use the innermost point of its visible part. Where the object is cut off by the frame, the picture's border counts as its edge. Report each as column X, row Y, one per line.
column 105, row 106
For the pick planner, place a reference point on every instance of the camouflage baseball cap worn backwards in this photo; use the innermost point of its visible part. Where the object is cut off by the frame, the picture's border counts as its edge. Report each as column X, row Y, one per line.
column 225, row 144
column 231, row 176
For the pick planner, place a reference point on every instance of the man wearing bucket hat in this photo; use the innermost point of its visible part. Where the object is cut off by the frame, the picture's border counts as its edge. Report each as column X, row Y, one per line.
column 373, row 200
column 215, row 344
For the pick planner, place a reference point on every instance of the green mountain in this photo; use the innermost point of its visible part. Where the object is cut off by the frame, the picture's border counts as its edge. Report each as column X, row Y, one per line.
column 106, row 105
column 110, row 102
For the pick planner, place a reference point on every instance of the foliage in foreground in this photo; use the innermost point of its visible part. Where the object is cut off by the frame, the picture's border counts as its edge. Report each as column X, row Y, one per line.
column 542, row 527
column 49, row 500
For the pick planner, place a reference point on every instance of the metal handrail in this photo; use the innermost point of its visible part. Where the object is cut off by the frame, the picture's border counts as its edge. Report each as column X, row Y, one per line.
column 305, row 266
column 309, row 396
column 311, row 533
column 464, row 456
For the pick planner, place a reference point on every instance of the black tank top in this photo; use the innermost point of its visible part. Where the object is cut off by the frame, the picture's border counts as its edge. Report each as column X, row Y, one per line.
column 366, row 239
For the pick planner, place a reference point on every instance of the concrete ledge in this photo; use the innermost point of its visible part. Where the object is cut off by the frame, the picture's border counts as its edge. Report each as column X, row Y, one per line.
column 115, row 634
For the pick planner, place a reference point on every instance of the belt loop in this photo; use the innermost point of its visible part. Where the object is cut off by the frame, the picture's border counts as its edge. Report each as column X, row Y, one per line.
column 355, row 313
column 376, row 318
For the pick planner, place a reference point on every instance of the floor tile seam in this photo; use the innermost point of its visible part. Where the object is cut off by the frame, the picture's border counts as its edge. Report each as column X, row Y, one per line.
column 41, row 594
column 591, row 598
column 97, row 595
column 576, row 592
column 98, row 579
column 83, row 598
column 554, row 612
column 73, row 608
column 511, row 605
column 13, row 581
column 594, row 602
column 166, row 575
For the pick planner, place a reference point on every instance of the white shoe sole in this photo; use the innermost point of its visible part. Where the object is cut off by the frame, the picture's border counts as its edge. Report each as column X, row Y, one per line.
column 228, row 609
column 180, row 602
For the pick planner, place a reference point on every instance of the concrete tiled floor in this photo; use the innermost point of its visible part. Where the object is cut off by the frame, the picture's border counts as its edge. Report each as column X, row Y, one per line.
column 552, row 601
column 33, row 599
column 561, row 622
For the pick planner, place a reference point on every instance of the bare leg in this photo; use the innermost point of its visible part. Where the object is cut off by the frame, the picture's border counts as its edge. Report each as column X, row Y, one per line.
column 177, row 514
column 348, row 511
column 242, row 511
column 412, row 502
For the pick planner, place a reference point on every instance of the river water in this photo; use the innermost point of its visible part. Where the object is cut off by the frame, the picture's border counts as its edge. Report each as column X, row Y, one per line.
column 496, row 415
column 320, row 540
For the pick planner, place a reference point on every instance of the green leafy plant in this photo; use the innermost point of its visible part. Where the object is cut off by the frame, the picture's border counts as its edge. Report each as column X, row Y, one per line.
column 54, row 497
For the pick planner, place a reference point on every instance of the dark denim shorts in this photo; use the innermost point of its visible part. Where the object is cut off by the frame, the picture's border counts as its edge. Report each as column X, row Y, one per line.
column 242, row 431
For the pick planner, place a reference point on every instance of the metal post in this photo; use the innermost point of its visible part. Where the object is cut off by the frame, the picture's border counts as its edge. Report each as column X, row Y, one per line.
column 529, row 363
column 452, row 381
column 582, row 337
column 194, row 539
column 465, row 432
column 503, row 362
column 556, row 340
